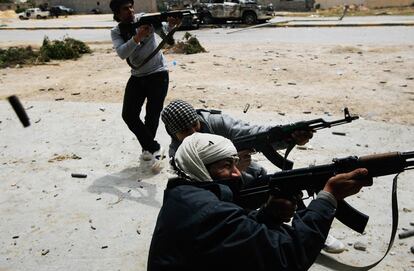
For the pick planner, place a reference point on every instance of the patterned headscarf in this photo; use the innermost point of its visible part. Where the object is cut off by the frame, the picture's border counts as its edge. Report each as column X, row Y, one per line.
column 178, row 115
column 200, row 149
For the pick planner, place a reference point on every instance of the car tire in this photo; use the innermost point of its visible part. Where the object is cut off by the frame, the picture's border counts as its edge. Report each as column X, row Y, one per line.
column 38, row 17
column 249, row 18
column 208, row 19
column 21, row 17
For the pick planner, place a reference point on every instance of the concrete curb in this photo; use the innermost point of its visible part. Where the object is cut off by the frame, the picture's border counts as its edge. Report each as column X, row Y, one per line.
column 57, row 27
column 288, row 24
column 342, row 25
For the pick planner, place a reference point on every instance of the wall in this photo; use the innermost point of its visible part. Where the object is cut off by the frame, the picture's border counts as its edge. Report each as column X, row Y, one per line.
column 388, row 3
column 85, row 6
column 292, row 5
column 334, row 3
column 367, row 3
column 7, row 6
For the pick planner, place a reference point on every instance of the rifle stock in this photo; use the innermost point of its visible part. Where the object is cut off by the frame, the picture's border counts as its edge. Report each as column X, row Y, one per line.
column 314, row 178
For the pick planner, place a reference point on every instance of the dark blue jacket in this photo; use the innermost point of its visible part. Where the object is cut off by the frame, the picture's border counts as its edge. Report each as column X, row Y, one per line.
column 199, row 228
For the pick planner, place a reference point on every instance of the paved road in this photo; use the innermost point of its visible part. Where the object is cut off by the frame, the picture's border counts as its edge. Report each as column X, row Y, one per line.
column 328, row 35
column 343, row 35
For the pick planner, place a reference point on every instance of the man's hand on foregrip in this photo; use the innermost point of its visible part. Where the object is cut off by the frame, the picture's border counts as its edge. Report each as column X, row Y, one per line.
column 301, row 137
column 173, row 21
column 347, row 184
column 142, row 32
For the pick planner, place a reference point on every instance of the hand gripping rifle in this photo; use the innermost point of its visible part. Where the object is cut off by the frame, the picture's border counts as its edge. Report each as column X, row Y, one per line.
column 314, row 178
column 262, row 142
column 128, row 30
column 156, row 19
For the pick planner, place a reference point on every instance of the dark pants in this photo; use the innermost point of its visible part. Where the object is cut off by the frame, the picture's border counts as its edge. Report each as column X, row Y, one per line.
column 154, row 88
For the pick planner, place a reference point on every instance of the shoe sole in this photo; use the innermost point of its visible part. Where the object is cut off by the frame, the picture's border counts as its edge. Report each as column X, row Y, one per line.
column 158, row 163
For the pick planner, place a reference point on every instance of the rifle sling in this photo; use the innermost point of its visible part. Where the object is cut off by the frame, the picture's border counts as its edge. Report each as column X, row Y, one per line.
column 333, row 264
column 156, row 50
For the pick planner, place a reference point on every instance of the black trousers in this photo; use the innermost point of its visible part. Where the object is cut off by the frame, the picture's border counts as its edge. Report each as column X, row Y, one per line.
column 154, row 89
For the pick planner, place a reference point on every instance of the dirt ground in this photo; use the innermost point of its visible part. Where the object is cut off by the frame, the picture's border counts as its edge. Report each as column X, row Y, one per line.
column 282, row 80
column 375, row 82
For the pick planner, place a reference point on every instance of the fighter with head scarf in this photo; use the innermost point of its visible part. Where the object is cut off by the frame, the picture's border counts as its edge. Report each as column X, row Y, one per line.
column 200, row 227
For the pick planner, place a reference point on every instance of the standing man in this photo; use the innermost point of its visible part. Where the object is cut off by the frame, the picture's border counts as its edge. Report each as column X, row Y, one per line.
column 149, row 74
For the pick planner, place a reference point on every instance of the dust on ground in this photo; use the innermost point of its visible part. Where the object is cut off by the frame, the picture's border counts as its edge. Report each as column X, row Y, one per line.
column 278, row 81
column 375, row 82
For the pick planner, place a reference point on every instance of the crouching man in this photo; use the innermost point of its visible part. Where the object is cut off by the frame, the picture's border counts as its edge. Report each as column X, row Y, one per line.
column 199, row 227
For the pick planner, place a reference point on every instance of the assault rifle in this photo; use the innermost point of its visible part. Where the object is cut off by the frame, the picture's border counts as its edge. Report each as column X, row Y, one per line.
column 314, row 178
column 128, row 30
column 154, row 19
column 262, row 142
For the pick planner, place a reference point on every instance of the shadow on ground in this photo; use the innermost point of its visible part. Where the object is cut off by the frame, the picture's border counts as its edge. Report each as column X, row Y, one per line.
column 131, row 180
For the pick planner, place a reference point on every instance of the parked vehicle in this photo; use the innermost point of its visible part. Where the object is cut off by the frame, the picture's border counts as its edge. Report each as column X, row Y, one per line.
column 33, row 13
column 57, row 11
column 96, row 11
column 246, row 11
column 190, row 22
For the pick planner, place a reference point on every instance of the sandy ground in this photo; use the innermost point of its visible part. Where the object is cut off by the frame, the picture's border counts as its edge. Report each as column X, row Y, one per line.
column 375, row 82
column 72, row 221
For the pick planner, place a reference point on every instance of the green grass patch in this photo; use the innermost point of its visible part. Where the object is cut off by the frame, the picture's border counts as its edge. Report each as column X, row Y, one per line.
column 67, row 48
column 18, row 56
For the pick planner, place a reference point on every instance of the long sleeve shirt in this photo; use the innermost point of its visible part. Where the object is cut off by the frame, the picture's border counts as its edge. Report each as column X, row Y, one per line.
column 137, row 52
column 199, row 228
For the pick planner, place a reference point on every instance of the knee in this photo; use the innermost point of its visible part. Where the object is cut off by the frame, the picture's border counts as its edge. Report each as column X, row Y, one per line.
column 127, row 117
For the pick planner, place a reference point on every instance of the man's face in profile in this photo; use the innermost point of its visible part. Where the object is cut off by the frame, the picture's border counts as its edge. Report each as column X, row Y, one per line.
column 225, row 169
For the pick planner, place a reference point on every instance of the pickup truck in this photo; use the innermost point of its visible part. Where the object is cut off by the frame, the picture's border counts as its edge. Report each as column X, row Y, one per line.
column 33, row 13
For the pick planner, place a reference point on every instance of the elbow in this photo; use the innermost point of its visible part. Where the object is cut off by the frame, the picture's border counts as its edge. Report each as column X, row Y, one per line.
column 121, row 55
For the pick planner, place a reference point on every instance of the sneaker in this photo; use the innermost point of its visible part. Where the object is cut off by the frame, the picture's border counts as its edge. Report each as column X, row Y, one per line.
column 333, row 245
column 146, row 156
column 159, row 159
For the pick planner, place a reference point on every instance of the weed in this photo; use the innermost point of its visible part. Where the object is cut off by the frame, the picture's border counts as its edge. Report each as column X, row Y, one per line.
column 67, row 48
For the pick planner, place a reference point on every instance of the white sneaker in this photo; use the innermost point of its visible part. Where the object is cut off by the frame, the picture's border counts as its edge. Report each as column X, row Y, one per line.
column 146, row 156
column 333, row 245
column 159, row 159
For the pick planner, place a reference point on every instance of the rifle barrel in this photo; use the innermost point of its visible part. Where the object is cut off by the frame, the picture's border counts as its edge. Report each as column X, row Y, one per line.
column 409, row 158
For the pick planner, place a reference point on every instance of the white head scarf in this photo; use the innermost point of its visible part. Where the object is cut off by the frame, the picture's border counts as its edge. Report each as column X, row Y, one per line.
column 200, row 149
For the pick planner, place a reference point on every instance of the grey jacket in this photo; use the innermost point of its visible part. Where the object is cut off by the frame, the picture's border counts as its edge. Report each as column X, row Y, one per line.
column 137, row 52
column 213, row 122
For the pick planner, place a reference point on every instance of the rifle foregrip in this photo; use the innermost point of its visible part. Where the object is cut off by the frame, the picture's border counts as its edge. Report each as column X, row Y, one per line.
column 382, row 164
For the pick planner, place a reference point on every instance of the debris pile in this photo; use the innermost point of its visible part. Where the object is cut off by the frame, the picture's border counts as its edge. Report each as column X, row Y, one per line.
column 188, row 45
column 67, row 48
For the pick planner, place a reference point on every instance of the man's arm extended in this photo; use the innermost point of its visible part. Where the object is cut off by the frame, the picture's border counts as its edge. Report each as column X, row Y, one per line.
column 230, row 128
